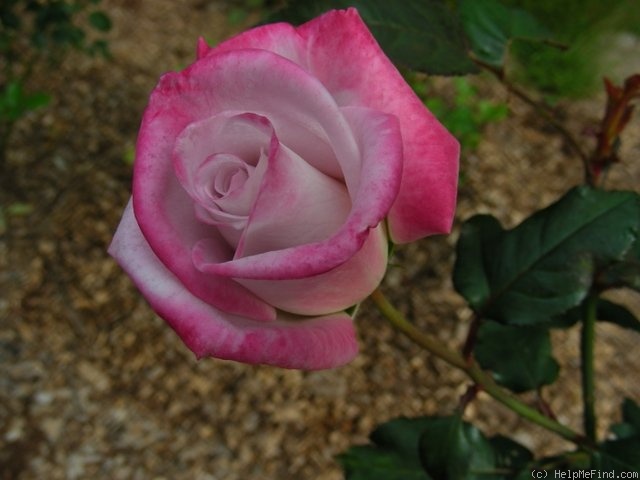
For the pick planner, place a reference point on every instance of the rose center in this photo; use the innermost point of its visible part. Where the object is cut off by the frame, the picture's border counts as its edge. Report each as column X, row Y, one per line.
column 221, row 175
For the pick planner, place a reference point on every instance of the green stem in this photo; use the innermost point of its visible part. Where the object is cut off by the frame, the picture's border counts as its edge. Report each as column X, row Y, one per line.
column 587, row 342
column 472, row 369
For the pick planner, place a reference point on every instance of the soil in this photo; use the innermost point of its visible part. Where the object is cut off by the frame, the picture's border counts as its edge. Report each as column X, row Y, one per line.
column 94, row 385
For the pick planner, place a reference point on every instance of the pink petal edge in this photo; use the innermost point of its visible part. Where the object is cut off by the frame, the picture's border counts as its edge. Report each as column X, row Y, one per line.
column 353, row 67
column 289, row 342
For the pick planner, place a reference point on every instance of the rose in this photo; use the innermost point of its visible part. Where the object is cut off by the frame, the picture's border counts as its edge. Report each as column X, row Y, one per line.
column 263, row 175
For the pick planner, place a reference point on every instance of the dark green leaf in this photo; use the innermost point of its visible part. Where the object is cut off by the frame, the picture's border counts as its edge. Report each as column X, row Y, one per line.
column 373, row 463
column 422, row 35
column 618, row 455
column 510, row 455
column 393, row 455
column 631, row 413
column 621, row 274
column 625, row 273
column 611, row 312
column 451, row 449
column 474, row 246
column 100, row 21
column 557, row 465
column 403, row 433
column 621, row 453
column 567, row 319
column 630, row 425
column 545, row 265
column 491, row 25
column 623, row 430
column 606, row 311
column 519, row 357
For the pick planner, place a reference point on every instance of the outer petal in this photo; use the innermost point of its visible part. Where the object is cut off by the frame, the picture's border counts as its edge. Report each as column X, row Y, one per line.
column 339, row 50
column 334, row 290
column 219, row 291
column 280, row 38
column 161, row 204
column 289, row 342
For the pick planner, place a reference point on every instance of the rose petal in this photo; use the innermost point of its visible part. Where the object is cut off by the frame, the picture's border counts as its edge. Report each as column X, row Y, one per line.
column 335, row 290
column 205, row 150
column 297, row 205
column 219, row 291
column 289, row 342
column 280, row 38
column 339, row 50
column 302, row 112
column 202, row 49
column 379, row 140
column 346, row 58
column 241, row 135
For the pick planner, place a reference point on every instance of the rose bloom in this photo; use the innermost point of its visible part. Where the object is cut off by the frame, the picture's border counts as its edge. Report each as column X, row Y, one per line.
column 269, row 177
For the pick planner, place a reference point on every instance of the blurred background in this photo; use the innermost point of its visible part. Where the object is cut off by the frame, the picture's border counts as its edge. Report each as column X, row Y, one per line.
column 94, row 385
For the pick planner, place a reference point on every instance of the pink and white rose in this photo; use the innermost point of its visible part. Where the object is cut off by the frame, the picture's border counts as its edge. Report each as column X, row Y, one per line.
column 263, row 177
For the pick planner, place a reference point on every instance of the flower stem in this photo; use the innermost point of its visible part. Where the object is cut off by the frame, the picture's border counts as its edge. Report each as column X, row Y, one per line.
column 587, row 342
column 472, row 369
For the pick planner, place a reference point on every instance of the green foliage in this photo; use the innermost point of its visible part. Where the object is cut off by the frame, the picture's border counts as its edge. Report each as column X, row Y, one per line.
column 544, row 266
column 620, row 453
column 35, row 32
column 585, row 26
column 491, row 26
column 392, row 456
column 451, row 449
column 239, row 13
column 571, row 73
column 444, row 448
column 423, row 35
column 129, row 155
column 547, row 272
column 630, row 425
column 19, row 209
column 100, row 21
column 14, row 102
column 606, row 311
column 623, row 274
column 519, row 357
column 55, row 25
column 468, row 114
column 428, row 35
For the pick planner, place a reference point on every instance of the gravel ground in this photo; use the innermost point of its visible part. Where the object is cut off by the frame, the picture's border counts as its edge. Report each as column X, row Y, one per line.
column 94, row 386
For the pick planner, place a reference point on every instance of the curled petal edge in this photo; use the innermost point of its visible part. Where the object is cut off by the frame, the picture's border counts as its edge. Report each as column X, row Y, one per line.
column 307, row 343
